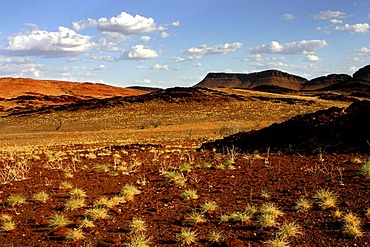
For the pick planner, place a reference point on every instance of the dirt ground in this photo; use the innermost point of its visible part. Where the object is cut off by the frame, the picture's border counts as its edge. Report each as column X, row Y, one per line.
column 102, row 151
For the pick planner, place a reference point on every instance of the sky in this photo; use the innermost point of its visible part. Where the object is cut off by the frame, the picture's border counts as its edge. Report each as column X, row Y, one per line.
column 167, row 43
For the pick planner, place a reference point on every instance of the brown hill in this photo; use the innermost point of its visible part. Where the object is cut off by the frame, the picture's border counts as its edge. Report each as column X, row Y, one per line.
column 30, row 94
column 325, row 81
column 270, row 78
column 332, row 130
column 362, row 74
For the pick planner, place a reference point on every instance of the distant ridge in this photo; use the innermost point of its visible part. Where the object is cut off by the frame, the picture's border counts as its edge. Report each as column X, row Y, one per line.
column 278, row 81
column 30, row 94
column 274, row 78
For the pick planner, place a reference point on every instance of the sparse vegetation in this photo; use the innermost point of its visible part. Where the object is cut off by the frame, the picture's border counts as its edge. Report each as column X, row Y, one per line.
column 58, row 220
column 41, row 197
column 365, row 169
column 187, row 237
column 189, row 194
column 16, row 200
column 325, row 199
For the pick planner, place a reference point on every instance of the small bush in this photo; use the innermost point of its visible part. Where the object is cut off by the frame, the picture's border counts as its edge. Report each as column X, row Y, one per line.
column 365, row 169
column 187, row 237
column 41, row 197
column 58, row 220
column 17, row 199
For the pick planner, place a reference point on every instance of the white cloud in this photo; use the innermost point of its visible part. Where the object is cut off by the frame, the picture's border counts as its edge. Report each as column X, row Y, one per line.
column 124, row 23
column 65, row 42
column 288, row 17
column 139, row 67
column 175, row 23
column 336, row 21
column 356, row 28
column 139, row 52
column 312, row 58
column 303, row 46
column 198, row 52
column 165, row 35
column 179, row 59
column 145, row 39
column 330, row 14
column 160, row 67
column 145, row 81
column 162, row 28
column 364, row 51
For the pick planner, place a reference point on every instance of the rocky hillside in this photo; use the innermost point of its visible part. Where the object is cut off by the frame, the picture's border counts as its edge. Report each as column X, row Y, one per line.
column 29, row 94
column 278, row 81
column 273, row 78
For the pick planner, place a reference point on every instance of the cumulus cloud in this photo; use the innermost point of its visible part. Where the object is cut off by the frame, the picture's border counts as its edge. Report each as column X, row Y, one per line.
column 139, row 52
column 179, row 59
column 65, row 42
column 356, row 28
column 303, row 46
column 175, row 23
column 145, row 81
column 160, row 67
column 165, row 35
column 330, row 14
column 145, row 39
column 124, row 23
column 364, row 51
column 288, row 17
column 198, row 52
column 312, row 58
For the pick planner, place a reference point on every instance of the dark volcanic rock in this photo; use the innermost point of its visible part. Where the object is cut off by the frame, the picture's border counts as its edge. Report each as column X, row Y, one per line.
column 253, row 80
column 332, row 130
column 325, row 81
column 362, row 74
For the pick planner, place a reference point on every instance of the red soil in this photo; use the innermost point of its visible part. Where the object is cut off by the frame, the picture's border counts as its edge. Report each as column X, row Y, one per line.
column 285, row 177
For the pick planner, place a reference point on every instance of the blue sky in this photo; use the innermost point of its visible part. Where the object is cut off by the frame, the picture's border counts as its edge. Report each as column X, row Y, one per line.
column 166, row 43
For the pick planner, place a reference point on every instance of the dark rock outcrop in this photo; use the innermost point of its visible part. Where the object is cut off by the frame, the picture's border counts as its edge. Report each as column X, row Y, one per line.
column 274, row 78
column 332, row 130
column 325, row 81
column 362, row 74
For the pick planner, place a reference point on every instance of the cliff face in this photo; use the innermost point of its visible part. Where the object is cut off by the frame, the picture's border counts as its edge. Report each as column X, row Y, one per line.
column 269, row 77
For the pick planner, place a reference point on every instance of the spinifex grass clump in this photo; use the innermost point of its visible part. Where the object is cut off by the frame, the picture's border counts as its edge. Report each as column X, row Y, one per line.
column 325, row 199
column 75, row 203
column 187, row 237
column 289, row 229
column 129, row 191
column 7, row 223
column 209, row 206
column 177, row 178
column 189, row 195
column 41, row 197
column 302, row 205
column 195, row 218
column 17, row 199
column 58, row 220
column 97, row 213
column 77, row 193
column 75, row 234
column 138, row 225
column 269, row 215
column 352, row 225
column 139, row 240
column 365, row 169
